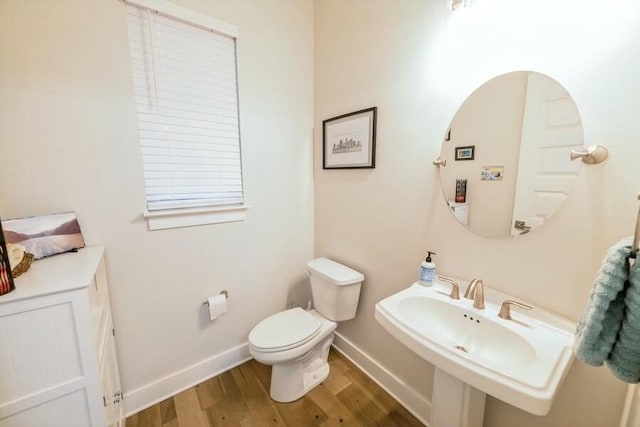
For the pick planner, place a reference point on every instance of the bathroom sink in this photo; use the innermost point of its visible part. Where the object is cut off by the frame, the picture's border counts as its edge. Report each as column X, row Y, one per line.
column 521, row 361
column 484, row 340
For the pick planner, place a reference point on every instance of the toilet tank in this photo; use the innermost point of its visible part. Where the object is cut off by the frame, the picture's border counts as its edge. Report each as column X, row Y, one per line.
column 335, row 289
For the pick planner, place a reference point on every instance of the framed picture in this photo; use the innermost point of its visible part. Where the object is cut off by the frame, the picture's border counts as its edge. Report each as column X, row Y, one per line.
column 465, row 153
column 6, row 279
column 492, row 173
column 349, row 141
column 45, row 235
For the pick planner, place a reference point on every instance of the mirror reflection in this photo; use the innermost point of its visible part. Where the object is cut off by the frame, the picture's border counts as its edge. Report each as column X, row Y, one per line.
column 508, row 154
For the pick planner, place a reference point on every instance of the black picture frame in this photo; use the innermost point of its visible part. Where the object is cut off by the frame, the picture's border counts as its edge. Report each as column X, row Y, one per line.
column 349, row 141
column 466, row 153
column 6, row 278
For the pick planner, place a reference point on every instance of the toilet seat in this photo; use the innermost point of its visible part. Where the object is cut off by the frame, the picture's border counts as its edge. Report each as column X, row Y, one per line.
column 284, row 331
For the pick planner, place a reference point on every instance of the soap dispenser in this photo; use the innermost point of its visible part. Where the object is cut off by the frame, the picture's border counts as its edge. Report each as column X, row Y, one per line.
column 427, row 270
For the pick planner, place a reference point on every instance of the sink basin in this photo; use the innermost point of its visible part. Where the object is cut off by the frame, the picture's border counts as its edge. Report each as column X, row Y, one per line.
column 521, row 361
column 483, row 339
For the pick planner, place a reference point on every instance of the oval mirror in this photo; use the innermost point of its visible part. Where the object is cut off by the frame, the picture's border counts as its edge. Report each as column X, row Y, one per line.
column 508, row 154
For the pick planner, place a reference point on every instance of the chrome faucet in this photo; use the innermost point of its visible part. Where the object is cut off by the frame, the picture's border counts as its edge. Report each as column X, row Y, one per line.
column 475, row 291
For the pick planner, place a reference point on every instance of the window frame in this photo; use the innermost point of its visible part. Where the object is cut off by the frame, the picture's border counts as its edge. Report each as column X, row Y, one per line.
column 191, row 216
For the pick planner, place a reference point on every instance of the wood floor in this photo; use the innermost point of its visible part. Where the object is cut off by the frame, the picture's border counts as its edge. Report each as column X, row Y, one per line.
column 240, row 397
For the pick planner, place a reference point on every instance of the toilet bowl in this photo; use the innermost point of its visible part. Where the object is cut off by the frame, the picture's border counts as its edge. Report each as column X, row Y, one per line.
column 296, row 342
column 300, row 364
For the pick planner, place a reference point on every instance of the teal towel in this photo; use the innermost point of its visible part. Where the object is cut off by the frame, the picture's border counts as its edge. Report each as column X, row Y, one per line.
column 624, row 360
column 597, row 330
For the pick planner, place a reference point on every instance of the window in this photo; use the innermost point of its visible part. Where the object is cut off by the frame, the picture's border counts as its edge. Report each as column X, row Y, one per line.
column 185, row 84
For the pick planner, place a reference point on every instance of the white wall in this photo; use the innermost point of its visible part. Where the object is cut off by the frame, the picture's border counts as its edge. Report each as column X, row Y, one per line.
column 68, row 141
column 417, row 62
column 491, row 120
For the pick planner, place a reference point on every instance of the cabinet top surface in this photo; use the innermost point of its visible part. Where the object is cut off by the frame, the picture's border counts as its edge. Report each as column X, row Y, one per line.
column 58, row 273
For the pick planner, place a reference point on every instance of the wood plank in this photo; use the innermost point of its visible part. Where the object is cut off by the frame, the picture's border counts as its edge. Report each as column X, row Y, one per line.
column 149, row 417
column 361, row 405
column 396, row 411
column 261, row 372
column 359, row 377
column 338, row 414
column 167, row 411
column 240, row 398
column 296, row 414
column 260, row 404
column 337, row 382
column 220, row 415
column 314, row 410
column 233, row 399
column 301, row 412
column 188, row 409
column 210, row 392
column 402, row 417
column 172, row 423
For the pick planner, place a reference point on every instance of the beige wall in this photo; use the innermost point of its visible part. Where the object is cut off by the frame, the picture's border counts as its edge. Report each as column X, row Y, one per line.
column 68, row 141
column 417, row 63
column 491, row 120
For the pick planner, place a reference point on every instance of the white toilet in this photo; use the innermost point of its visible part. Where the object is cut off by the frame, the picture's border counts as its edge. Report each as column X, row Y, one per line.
column 296, row 342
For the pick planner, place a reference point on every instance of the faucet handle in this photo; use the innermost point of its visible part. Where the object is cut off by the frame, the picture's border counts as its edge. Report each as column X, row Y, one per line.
column 505, row 309
column 455, row 289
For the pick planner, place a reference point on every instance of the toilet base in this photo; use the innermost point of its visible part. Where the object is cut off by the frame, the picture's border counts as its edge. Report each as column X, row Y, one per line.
column 291, row 381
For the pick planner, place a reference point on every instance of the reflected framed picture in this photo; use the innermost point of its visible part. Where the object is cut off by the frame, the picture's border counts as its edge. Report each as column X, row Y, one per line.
column 349, row 140
column 465, row 153
column 492, row 173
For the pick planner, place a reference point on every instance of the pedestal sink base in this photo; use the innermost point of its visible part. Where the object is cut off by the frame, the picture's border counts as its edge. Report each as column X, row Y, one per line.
column 454, row 403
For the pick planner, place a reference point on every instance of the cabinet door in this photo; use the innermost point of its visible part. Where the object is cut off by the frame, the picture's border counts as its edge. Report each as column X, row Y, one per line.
column 111, row 387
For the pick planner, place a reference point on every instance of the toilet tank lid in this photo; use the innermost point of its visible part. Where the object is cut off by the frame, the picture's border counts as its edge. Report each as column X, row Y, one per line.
column 334, row 272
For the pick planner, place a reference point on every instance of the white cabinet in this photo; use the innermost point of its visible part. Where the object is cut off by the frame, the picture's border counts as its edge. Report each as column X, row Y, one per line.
column 58, row 360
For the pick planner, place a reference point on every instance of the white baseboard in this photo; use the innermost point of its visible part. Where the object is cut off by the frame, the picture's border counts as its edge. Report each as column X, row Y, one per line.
column 176, row 382
column 408, row 397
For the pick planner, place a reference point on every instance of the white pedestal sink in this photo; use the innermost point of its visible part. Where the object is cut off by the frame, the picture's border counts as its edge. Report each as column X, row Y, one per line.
column 454, row 403
column 521, row 361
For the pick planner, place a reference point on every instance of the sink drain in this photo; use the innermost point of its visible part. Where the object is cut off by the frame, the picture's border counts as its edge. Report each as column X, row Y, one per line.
column 459, row 347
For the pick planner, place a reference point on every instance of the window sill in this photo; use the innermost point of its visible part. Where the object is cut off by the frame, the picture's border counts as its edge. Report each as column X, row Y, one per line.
column 176, row 218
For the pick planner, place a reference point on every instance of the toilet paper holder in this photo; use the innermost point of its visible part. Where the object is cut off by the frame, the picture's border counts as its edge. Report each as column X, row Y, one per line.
column 224, row 292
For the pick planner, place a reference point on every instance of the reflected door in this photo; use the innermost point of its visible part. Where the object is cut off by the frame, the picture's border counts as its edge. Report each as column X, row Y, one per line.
column 551, row 128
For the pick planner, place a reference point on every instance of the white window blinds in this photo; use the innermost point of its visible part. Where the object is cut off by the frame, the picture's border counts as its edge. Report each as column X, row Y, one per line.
column 187, row 101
